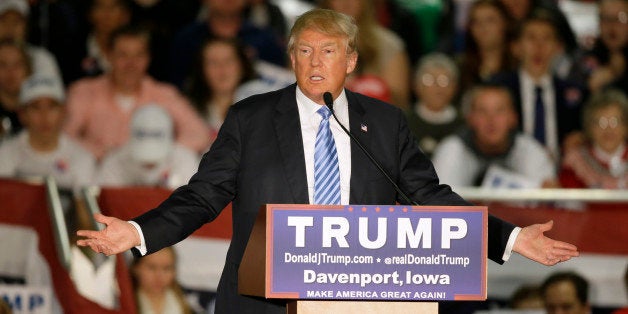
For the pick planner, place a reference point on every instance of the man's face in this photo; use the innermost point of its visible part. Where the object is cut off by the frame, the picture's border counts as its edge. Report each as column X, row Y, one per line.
column 43, row 117
column 537, row 47
column 614, row 24
column 13, row 70
column 321, row 64
column 560, row 298
column 492, row 118
column 129, row 60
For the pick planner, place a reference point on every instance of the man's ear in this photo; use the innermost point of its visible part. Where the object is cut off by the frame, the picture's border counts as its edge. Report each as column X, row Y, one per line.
column 352, row 61
column 292, row 61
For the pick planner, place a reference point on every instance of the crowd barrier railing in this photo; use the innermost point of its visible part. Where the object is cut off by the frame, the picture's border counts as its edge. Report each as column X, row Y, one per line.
column 594, row 220
column 36, row 205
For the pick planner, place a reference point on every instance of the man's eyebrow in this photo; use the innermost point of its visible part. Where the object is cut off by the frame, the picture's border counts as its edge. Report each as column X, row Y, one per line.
column 324, row 44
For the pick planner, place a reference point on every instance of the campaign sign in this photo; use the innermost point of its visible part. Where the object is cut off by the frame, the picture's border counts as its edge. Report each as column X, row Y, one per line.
column 376, row 252
column 27, row 299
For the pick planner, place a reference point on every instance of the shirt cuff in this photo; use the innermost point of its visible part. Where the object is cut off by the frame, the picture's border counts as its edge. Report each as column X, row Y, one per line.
column 509, row 245
column 142, row 247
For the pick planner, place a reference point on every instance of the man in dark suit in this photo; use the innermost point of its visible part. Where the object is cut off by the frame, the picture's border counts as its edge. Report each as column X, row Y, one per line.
column 264, row 153
column 548, row 107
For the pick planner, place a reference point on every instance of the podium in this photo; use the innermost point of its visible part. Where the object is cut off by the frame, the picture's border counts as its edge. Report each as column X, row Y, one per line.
column 366, row 258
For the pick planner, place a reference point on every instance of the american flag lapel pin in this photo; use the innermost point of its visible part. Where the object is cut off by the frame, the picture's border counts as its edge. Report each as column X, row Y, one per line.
column 364, row 128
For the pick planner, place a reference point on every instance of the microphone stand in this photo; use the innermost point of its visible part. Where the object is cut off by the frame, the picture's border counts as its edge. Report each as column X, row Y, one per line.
column 329, row 102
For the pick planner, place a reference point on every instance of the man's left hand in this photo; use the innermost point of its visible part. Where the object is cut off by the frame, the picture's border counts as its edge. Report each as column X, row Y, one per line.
column 533, row 244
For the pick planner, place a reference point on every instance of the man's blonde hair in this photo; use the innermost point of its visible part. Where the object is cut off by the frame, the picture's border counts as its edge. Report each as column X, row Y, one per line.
column 328, row 22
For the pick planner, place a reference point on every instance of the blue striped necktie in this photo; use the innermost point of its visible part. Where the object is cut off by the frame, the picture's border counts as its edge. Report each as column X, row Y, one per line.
column 326, row 171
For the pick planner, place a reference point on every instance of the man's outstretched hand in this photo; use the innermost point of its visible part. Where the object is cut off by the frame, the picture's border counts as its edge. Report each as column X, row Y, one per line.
column 117, row 237
column 533, row 244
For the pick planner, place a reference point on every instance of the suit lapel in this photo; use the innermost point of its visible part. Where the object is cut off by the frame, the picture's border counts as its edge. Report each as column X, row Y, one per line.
column 288, row 132
column 359, row 162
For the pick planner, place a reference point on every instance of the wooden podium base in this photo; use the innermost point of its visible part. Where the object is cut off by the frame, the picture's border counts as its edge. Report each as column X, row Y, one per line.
column 360, row 307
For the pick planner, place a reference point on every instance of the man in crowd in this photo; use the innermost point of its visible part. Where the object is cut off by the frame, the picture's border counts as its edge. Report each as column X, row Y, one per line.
column 566, row 293
column 548, row 107
column 489, row 151
column 100, row 108
column 42, row 148
column 150, row 157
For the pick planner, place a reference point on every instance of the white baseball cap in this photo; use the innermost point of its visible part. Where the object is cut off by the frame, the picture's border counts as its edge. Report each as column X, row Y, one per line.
column 151, row 134
column 37, row 86
column 20, row 6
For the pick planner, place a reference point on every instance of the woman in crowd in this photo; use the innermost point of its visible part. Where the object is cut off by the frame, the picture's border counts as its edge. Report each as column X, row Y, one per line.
column 156, row 287
column 223, row 67
column 602, row 161
column 487, row 42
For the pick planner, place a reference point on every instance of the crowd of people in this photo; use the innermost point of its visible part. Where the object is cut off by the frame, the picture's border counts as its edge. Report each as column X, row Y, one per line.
column 562, row 101
column 133, row 92
column 560, row 292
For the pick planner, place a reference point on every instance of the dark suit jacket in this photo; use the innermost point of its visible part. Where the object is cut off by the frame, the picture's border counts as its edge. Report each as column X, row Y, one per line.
column 568, row 98
column 258, row 159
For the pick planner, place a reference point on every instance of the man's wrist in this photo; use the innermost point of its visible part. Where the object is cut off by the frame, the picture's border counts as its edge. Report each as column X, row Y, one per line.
column 510, row 245
column 141, row 247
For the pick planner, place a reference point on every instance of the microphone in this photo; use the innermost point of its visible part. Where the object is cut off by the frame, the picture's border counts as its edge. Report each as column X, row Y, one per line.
column 329, row 102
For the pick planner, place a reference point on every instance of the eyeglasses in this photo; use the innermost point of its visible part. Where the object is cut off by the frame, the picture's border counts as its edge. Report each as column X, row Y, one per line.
column 621, row 18
column 429, row 80
column 608, row 122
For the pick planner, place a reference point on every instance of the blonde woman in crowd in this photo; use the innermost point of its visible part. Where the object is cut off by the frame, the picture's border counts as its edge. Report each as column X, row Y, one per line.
column 156, row 287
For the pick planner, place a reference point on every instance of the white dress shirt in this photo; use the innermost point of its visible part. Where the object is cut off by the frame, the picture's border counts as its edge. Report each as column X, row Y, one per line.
column 310, row 120
column 528, row 98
